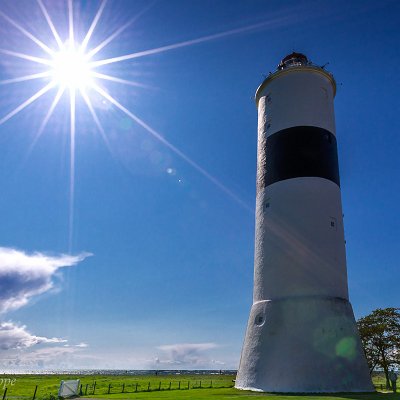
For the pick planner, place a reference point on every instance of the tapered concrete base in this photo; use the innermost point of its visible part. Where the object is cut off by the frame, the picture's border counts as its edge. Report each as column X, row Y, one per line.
column 303, row 345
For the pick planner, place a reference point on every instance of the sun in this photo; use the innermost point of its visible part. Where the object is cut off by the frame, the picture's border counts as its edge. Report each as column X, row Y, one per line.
column 70, row 68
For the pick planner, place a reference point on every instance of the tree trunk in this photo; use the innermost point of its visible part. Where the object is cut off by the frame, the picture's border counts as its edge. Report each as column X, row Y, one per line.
column 386, row 370
column 387, row 378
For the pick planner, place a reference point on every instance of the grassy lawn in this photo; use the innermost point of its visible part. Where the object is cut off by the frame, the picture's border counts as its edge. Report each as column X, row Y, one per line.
column 161, row 387
column 24, row 385
column 231, row 393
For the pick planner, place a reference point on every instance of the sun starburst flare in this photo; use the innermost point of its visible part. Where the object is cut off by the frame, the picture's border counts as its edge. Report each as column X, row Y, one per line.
column 70, row 70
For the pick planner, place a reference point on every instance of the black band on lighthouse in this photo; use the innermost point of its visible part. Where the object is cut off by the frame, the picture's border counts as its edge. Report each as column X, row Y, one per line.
column 301, row 151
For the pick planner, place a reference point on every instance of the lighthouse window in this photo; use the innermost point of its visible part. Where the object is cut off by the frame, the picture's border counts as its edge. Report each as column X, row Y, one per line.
column 332, row 224
column 259, row 320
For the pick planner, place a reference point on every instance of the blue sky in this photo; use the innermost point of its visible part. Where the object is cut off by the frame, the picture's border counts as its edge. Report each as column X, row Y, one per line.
column 157, row 270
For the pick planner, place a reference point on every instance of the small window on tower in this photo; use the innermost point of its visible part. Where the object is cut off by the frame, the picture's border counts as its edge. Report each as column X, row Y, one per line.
column 259, row 320
column 333, row 223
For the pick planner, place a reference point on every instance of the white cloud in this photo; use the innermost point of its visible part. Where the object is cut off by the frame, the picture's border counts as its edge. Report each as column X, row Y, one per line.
column 24, row 275
column 80, row 345
column 50, row 357
column 17, row 337
column 188, row 355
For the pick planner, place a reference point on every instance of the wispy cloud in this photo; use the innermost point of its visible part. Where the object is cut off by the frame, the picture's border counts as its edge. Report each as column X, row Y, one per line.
column 79, row 345
column 24, row 275
column 49, row 357
column 13, row 336
column 188, row 355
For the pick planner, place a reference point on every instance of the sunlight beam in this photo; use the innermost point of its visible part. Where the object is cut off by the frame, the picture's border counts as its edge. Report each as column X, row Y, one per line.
column 57, row 98
column 92, row 111
column 169, row 145
column 72, row 167
column 51, row 25
column 46, row 119
column 94, row 51
column 24, row 56
column 26, row 78
column 26, row 103
column 119, row 80
column 95, row 118
column 93, row 26
column 27, row 34
column 186, row 43
column 71, row 21
column 118, row 31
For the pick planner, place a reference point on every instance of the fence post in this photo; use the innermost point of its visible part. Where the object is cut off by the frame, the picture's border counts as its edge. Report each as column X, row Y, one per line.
column 123, row 388
column 109, row 388
column 5, row 392
column 34, row 394
column 86, row 389
column 80, row 390
column 94, row 387
column 136, row 387
column 200, row 384
column 159, row 386
column 148, row 387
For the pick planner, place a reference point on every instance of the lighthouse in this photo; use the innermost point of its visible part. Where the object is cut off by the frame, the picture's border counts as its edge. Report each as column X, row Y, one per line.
column 301, row 335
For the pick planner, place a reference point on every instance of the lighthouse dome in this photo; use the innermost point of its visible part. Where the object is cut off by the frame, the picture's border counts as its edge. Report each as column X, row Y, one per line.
column 293, row 60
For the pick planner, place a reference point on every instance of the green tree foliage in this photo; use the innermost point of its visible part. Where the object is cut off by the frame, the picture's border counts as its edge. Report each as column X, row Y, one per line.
column 380, row 336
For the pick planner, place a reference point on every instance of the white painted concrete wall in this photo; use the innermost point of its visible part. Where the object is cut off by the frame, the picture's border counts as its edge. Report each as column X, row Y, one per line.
column 301, row 335
column 298, row 97
column 306, row 345
column 297, row 251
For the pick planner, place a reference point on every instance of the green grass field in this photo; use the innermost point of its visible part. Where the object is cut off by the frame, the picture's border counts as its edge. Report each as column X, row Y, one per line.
column 160, row 387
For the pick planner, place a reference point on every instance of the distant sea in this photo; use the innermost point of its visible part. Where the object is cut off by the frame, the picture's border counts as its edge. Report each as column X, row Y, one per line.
column 132, row 372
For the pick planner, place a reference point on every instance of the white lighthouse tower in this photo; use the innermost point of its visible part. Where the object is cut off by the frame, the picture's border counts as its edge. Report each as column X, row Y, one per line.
column 301, row 335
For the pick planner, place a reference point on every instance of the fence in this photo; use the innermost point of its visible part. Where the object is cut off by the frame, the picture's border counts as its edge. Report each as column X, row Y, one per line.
column 87, row 389
column 151, row 386
column 17, row 397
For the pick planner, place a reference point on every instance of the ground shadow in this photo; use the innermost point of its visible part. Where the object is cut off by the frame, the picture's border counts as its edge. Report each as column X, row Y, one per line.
column 351, row 396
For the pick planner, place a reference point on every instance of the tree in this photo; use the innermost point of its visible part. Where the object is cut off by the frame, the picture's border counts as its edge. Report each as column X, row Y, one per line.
column 380, row 336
